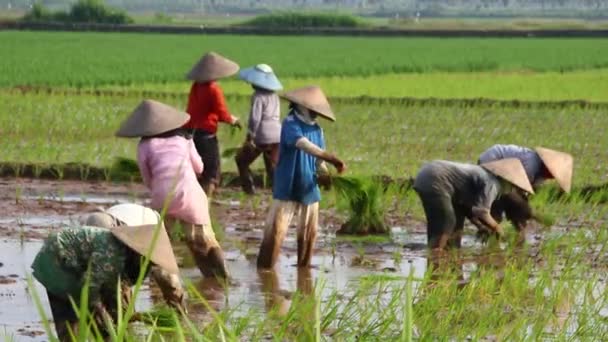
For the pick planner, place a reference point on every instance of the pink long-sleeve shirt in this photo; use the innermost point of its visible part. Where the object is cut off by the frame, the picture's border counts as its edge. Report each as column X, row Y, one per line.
column 170, row 165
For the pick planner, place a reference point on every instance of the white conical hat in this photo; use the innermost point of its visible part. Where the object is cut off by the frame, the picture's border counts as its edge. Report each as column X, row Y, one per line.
column 511, row 170
column 151, row 118
column 212, row 66
column 140, row 238
column 311, row 97
column 133, row 214
column 559, row 164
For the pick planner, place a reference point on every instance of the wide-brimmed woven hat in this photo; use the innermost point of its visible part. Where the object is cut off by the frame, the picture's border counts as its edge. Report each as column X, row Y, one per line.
column 261, row 76
column 311, row 97
column 559, row 164
column 511, row 170
column 130, row 214
column 151, row 118
column 139, row 239
column 212, row 66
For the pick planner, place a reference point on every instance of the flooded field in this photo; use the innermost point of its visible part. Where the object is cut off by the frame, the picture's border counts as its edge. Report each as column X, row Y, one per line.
column 32, row 208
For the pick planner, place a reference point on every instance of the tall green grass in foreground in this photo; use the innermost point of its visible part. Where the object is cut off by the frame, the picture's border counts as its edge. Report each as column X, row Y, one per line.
column 556, row 290
column 92, row 59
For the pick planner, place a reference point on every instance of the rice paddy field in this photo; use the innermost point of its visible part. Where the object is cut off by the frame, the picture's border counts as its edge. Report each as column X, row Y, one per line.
column 63, row 95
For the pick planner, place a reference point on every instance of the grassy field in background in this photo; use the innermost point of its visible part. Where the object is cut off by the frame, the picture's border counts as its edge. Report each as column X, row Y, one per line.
column 88, row 59
column 391, row 140
column 589, row 85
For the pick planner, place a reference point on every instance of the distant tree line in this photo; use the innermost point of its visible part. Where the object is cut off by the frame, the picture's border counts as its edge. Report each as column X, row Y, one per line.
column 384, row 7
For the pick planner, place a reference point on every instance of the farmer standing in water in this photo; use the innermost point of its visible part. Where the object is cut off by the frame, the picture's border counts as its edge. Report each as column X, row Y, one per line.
column 168, row 164
column 295, row 190
column 207, row 107
column 451, row 191
column 264, row 127
column 540, row 164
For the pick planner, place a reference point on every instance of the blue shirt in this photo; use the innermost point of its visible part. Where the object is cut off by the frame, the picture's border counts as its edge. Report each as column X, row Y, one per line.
column 295, row 177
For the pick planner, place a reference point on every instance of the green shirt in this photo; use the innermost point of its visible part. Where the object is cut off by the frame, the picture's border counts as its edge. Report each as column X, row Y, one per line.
column 61, row 265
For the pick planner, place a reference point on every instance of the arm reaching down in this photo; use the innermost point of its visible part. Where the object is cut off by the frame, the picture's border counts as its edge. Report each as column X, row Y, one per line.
column 482, row 218
column 312, row 149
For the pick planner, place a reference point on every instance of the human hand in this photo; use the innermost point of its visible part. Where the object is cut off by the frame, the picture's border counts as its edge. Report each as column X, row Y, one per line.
column 339, row 165
column 237, row 124
column 324, row 180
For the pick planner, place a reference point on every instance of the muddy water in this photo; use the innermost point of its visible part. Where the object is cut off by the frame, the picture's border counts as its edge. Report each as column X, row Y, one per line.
column 38, row 207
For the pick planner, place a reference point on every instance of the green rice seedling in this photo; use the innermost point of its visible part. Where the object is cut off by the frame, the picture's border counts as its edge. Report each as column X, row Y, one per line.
column 161, row 316
column 124, row 169
column 366, row 212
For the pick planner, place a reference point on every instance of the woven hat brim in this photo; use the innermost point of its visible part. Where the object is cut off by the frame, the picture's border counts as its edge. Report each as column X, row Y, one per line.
column 133, row 214
column 140, row 238
column 511, row 170
column 559, row 164
column 151, row 118
column 212, row 66
column 261, row 79
column 322, row 109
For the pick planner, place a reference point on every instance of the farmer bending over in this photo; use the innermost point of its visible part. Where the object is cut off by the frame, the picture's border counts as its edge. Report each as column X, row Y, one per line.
column 451, row 191
column 168, row 164
column 207, row 107
column 540, row 164
column 113, row 256
column 131, row 214
column 295, row 189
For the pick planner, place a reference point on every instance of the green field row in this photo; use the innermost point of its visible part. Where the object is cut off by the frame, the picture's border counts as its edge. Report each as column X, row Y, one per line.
column 588, row 85
column 390, row 140
column 88, row 59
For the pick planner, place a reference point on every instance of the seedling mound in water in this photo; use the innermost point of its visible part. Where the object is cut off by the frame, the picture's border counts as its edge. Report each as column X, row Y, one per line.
column 364, row 201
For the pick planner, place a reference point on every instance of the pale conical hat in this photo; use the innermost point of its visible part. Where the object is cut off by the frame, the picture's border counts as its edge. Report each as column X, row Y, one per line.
column 133, row 214
column 212, row 66
column 559, row 164
column 139, row 239
column 262, row 76
column 151, row 118
column 311, row 97
column 511, row 170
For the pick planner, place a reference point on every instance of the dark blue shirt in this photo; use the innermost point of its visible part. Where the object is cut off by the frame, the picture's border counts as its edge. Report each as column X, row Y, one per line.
column 295, row 177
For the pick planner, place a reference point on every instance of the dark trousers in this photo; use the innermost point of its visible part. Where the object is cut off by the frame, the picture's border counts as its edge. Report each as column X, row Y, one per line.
column 445, row 220
column 65, row 317
column 515, row 207
column 247, row 155
column 208, row 148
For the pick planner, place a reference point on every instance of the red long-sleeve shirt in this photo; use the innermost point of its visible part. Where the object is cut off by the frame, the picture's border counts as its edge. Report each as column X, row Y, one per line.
column 207, row 107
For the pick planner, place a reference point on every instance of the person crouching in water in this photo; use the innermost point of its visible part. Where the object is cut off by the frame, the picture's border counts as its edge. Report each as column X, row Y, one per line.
column 264, row 126
column 207, row 107
column 106, row 258
column 295, row 189
column 451, row 191
column 131, row 214
column 168, row 164
column 540, row 164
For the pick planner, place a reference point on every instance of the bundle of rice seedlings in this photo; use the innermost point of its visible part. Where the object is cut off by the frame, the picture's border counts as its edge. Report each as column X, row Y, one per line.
column 124, row 169
column 161, row 316
column 364, row 201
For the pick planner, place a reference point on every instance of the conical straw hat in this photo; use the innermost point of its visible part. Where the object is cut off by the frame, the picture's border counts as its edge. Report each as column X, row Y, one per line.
column 100, row 219
column 133, row 214
column 151, row 118
column 311, row 97
column 139, row 239
column 559, row 164
column 511, row 170
column 212, row 66
column 262, row 76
